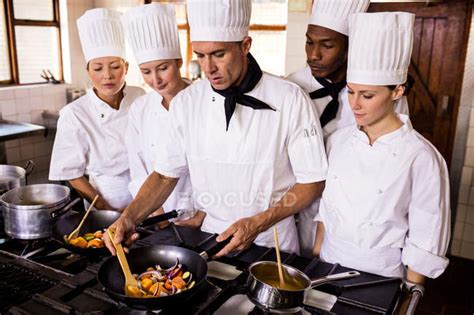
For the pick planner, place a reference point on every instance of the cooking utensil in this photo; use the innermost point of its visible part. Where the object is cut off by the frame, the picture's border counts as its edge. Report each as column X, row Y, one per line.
column 14, row 176
column 264, row 273
column 27, row 210
column 75, row 232
column 130, row 281
column 175, row 214
column 139, row 259
column 97, row 220
column 277, row 249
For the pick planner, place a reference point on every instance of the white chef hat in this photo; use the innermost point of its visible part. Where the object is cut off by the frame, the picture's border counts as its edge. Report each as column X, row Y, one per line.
column 101, row 34
column 334, row 14
column 219, row 20
column 380, row 46
column 152, row 32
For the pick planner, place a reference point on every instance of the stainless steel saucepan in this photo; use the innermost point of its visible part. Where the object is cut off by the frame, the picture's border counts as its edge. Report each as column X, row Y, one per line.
column 27, row 210
column 263, row 286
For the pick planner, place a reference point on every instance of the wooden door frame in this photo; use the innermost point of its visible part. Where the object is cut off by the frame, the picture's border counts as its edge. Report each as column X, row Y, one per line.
column 455, row 91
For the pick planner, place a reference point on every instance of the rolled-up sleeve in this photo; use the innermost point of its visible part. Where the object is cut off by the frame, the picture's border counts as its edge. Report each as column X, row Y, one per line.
column 171, row 161
column 428, row 216
column 305, row 141
column 69, row 156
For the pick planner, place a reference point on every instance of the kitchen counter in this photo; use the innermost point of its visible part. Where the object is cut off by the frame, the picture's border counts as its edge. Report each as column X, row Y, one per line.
column 10, row 130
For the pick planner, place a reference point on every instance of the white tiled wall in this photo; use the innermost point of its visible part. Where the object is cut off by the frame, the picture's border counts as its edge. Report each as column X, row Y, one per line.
column 463, row 234
column 26, row 104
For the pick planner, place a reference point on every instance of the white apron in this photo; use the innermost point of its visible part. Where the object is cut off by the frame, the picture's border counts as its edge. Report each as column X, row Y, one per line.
column 113, row 189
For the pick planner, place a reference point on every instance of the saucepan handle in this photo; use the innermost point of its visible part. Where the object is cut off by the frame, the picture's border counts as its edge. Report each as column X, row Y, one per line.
column 334, row 277
column 216, row 248
column 159, row 218
column 56, row 214
column 29, row 167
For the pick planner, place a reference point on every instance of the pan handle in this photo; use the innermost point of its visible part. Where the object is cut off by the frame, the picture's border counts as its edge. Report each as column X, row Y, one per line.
column 29, row 167
column 159, row 218
column 334, row 277
column 416, row 292
column 56, row 214
column 215, row 248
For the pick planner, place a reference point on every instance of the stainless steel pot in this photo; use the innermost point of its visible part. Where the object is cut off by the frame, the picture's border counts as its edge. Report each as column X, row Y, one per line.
column 27, row 210
column 260, row 291
column 14, row 176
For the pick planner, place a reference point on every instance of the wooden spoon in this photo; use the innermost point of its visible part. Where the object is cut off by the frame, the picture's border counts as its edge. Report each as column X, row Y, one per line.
column 131, row 284
column 277, row 249
column 75, row 232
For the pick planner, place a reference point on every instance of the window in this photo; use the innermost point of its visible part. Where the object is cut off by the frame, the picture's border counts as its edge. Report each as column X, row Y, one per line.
column 30, row 44
column 267, row 29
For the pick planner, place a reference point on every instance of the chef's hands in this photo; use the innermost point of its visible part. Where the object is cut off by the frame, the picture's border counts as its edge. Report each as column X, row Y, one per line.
column 194, row 222
column 242, row 233
column 124, row 233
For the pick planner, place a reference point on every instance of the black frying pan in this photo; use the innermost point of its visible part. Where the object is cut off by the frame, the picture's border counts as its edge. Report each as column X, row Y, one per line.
column 96, row 220
column 110, row 274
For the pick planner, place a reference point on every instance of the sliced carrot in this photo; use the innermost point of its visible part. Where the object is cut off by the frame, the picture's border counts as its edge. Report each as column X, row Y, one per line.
column 95, row 243
column 79, row 242
column 178, row 282
column 162, row 289
column 168, row 284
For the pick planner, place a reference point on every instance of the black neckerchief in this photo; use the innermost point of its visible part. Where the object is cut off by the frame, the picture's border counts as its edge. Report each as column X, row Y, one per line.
column 329, row 89
column 236, row 94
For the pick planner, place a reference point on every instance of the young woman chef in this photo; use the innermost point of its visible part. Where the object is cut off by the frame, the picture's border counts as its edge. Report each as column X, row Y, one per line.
column 152, row 33
column 90, row 139
column 385, row 208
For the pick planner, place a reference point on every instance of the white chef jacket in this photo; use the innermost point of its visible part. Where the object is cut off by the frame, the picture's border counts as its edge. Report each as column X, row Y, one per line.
column 344, row 117
column 147, row 132
column 386, row 205
column 90, row 140
column 243, row 171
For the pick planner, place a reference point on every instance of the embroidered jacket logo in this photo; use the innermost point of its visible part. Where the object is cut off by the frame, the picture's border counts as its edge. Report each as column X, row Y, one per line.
column 310, row 132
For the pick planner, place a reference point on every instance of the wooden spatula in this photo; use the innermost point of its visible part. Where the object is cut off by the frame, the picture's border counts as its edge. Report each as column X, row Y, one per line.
column 131, row 285
column 75, row 232
column 277, row 249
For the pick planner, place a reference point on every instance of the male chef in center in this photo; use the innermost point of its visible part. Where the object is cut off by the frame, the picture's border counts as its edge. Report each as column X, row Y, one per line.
column 250, row 141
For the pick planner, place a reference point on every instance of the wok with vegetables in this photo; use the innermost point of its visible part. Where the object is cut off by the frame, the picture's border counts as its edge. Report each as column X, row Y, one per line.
column 96, row 221
column 90, row 240
column 168, row 275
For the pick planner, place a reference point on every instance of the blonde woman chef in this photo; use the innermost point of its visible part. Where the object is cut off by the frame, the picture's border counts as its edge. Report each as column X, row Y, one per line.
column 152, row 33
column 90, row 139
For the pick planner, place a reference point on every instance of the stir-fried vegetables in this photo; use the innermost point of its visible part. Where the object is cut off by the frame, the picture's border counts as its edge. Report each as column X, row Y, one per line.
column 88, row 240
column 157, row 282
